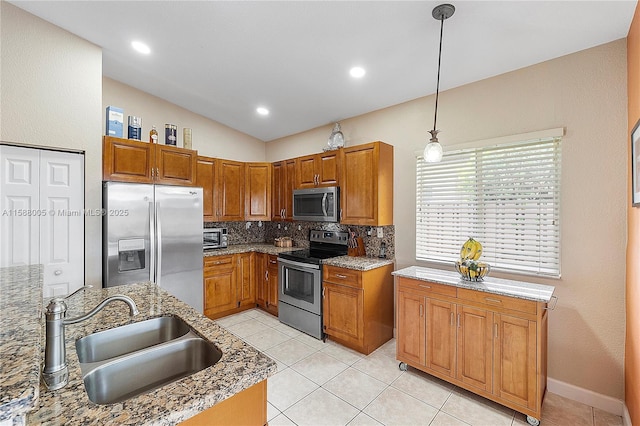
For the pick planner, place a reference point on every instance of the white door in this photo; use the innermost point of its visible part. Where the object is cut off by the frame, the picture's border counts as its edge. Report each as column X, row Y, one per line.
column 55, row 235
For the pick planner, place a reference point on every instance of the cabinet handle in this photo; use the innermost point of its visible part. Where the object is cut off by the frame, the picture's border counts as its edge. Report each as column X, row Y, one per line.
column 341, row 276
column 495, row 330
column 421, row 311
column 424, row 286
column 458, row 321
column 323, row 292
column 341, row 214
column 490, row 300
column 266, row 275
column 452, row 320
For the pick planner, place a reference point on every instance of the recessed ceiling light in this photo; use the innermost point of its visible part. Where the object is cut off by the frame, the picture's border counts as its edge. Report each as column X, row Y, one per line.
column 357, row 72
column 141, row 47
column 262, row 111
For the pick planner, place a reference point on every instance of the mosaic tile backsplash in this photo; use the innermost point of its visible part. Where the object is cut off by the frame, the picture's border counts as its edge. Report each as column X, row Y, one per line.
column 257, row 232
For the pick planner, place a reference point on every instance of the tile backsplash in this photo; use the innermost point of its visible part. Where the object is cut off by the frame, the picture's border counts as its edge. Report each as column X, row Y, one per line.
column 266, row 232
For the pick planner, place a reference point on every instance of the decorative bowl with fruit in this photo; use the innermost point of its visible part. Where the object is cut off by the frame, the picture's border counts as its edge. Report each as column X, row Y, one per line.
column 469, row 267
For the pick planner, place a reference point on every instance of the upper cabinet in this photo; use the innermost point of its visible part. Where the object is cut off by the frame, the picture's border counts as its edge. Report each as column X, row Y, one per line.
column 127, row 160
column 229, row 190
column 205, row 178
column 283, row 182
column 366, row 185
column 257, row 191
column 318, row 169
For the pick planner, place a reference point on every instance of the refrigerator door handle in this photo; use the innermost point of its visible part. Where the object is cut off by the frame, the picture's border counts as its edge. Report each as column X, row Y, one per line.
column 152, row 243
column 159, row 243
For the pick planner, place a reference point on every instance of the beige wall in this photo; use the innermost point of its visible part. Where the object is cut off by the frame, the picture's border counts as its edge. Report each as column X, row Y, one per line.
column 210, row 138
column 50, row 95
column 583, row 92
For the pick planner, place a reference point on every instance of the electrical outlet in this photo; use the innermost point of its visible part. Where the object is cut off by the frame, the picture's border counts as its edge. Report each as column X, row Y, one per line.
column 380, row 233
column 248, row 225
column 369, row 232
column 279, row 226
column 299, row 227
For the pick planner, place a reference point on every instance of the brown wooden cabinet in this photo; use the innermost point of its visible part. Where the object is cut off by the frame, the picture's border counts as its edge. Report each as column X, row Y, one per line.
column 229, row 190
column 229, row 284
column 318, row 169
column 492, row 345
column 358, row 306
column 283, row 183
column 257, row 190
column 366, row 185
column 267, row 282
column 205, row 178
column 126, row 160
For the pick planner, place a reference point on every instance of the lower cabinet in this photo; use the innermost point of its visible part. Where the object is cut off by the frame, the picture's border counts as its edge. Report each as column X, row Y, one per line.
column 358, row 306
column 267, row 282
column 229, row 284
column 492, row 345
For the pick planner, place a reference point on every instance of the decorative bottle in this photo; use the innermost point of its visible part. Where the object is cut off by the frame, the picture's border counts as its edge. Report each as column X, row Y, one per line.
column 153, row 135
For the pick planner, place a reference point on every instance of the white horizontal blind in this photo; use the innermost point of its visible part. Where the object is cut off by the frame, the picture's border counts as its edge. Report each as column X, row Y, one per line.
column 507, row 197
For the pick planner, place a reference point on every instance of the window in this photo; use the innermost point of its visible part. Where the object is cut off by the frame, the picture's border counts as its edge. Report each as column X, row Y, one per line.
column 506, row 196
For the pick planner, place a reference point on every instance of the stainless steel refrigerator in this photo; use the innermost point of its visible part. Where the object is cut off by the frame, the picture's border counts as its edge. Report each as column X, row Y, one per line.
column 153, row 233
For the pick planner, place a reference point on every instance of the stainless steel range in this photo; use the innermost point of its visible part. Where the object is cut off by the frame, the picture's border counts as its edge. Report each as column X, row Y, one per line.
column 300, row 280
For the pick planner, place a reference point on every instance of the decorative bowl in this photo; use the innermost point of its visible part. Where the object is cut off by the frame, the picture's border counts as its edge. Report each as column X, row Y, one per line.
column 472, row 271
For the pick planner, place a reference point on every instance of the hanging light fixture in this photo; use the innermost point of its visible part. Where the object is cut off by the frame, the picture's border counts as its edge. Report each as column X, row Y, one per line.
column 433, row 150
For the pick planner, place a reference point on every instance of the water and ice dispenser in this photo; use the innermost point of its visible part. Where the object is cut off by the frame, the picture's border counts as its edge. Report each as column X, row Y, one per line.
column 131, row 254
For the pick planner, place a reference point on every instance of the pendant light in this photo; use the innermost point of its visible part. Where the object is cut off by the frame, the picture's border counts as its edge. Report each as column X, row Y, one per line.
column 433, row 150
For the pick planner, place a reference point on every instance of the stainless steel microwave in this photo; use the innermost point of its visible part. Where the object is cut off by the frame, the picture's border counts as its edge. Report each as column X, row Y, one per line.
column 317, row 204
column 213, row 238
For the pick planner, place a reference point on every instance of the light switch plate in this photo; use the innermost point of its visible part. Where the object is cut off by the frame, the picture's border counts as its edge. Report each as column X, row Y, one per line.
column 380, row 233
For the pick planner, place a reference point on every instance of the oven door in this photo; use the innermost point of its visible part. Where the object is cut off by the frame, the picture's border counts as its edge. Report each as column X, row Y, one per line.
column 299, row 285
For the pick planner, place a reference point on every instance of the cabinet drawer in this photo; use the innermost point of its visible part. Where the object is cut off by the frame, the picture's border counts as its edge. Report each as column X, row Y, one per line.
column 211, row 262
column 427, row 287
column 343, row 276
column 273, row 261
column 498, row 301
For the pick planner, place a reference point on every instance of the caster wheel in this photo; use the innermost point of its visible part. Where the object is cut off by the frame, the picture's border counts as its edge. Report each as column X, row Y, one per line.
column 533, row 421
column 403, row 366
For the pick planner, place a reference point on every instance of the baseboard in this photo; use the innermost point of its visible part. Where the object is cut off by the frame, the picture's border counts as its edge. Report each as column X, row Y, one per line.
column 626, row 418
column 597, row 400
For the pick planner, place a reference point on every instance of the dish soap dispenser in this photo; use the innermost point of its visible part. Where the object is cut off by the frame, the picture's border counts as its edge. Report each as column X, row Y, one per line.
column 383, row 250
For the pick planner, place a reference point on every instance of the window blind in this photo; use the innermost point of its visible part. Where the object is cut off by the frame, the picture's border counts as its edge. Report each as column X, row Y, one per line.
column 507, row 197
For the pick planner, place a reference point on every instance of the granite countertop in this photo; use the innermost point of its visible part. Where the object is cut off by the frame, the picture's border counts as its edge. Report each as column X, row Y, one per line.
column 240, row 367
column 512, row 288
column 21, row 321
column 350, row 262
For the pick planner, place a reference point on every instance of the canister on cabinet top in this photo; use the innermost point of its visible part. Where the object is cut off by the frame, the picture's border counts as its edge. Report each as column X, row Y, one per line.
column 135, row 127
column 170, row 134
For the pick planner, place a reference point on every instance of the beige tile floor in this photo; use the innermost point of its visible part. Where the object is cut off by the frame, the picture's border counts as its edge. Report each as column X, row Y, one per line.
column 327, row 384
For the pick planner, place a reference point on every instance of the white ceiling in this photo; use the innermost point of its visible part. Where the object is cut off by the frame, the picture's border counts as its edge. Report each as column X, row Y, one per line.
column 222, row 59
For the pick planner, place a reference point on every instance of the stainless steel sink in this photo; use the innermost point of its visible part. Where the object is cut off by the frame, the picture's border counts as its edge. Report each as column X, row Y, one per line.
column 129, row 338
column 126, row 361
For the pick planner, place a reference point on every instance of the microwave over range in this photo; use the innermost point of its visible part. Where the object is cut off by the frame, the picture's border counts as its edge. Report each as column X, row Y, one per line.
column 213, row 238
column 317, row 204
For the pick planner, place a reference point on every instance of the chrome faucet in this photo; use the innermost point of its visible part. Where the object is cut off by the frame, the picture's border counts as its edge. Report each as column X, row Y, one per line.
column 55, row 373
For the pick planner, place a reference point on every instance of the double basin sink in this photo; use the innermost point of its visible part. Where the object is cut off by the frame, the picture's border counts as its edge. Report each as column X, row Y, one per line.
column 126, row 361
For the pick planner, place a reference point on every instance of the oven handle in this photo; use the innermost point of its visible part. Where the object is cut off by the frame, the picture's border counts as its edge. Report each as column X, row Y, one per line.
column 301, row 265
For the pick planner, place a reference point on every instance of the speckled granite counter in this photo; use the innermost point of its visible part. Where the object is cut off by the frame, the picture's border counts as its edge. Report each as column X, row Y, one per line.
column 240, row 367
column 518, row 289
column 349, row 262
column 21, row 323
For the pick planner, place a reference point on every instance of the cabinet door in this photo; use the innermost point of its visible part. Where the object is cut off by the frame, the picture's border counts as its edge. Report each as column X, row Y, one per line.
column 245, row 279
column 219, row 285
column 205, row 173
column 441, row 336
column 127, row 161
column 257, row 191
column 278, row 188
column 261, row 261
column 290, row 176
column 359, row 187
column 515, row 360
column 344, row 312
column 328, row 168
column 175, row 166
column 475, row 347
column 230, row 191
column 272, row 284
column 306, row 175
column 410, row 323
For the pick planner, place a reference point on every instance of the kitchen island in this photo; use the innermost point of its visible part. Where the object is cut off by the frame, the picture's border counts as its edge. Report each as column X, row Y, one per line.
column 240, row 368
